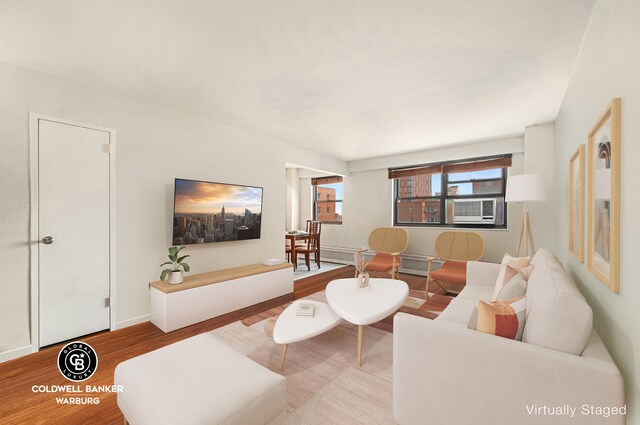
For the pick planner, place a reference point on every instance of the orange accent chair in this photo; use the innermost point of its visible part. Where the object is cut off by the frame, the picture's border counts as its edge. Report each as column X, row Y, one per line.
column 455, row 248
column 388, row 243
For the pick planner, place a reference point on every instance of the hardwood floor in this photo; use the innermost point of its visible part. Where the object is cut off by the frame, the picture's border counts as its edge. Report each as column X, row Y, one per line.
column 20, row 405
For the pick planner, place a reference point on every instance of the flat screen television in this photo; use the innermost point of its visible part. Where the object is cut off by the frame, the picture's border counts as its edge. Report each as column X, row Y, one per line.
column 205, row 212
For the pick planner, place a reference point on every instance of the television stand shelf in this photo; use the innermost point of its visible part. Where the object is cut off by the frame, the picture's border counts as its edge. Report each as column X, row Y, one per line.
column 208, row 295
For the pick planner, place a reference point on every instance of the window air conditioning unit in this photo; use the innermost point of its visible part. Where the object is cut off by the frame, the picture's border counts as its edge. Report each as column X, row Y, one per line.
column 474, row 211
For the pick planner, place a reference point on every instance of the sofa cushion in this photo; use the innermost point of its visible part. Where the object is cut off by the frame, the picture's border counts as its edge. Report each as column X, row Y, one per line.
column 558, row 317
column 541, row 256
column 476, row 292
column 458, row 311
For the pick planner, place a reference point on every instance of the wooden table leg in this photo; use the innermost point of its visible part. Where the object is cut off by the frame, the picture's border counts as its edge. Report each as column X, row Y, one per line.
column 284, row 354
column 294, row 256
column 360, row 340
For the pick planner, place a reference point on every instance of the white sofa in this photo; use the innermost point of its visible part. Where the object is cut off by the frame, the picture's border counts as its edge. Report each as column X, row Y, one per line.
column 444, row 373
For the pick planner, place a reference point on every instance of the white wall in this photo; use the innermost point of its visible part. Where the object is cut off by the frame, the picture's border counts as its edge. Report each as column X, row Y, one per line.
column 608, row 66
column 292, row 198
column 154, row 145
column 368, row 200
column 538, row 159
column 306, row 202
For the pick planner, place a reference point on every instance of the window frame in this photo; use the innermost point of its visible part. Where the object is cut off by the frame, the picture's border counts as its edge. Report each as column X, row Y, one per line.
column 444, row 197
column 317, row 203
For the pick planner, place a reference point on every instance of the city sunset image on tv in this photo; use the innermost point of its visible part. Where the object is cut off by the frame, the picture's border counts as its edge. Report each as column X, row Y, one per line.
column 205, row 212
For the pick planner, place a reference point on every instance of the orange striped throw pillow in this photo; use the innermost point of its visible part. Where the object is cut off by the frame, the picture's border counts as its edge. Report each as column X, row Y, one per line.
column 501, row 318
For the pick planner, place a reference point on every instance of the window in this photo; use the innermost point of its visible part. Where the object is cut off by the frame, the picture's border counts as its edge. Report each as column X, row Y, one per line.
column 327, row 199
column 467, row 193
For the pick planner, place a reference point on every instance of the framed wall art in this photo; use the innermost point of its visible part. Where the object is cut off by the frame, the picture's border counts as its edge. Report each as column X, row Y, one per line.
column 576, row 204
column 603, row 207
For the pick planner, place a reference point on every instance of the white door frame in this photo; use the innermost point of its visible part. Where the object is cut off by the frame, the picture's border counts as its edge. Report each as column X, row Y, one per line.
column 34, row 242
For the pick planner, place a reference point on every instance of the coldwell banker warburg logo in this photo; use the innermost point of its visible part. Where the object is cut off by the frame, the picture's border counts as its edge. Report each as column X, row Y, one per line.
column 77, row 361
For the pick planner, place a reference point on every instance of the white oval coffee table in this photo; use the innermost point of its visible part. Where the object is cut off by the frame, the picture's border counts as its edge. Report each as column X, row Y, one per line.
column 291, row 328
column 365, row 306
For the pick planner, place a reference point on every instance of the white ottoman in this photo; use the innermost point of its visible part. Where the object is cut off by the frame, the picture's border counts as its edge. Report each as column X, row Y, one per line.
column 199, row 381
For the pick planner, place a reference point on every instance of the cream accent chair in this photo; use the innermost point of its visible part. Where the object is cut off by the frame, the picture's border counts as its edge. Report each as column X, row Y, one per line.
column 388, row 243
column 455, row 248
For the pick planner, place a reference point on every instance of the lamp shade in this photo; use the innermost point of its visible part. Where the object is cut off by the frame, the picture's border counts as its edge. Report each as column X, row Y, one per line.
column 526, row 188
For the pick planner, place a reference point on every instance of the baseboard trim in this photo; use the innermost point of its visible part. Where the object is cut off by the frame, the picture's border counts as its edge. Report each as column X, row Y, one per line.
column 14, row 353
column 338, row 261
column 134, row 321
column 414, row 272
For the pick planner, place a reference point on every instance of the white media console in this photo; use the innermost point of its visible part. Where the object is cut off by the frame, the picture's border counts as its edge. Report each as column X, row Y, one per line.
column 208, row 295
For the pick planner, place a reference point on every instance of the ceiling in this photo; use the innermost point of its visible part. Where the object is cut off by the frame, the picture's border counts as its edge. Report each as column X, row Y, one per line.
column 350, row 78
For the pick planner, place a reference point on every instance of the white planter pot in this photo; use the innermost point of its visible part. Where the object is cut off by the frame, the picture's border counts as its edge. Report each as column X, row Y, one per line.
column 176, row 277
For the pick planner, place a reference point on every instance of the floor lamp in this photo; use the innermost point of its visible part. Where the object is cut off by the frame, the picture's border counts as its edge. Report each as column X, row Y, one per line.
column 526, row 188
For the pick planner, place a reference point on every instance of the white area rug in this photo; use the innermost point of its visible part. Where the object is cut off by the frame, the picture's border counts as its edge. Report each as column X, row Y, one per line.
column 324, row 384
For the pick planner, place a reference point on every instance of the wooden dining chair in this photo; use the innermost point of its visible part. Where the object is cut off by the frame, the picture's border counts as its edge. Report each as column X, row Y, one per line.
column 454, row 249
column 287, row 251
column 312, row 245
column 310, row 224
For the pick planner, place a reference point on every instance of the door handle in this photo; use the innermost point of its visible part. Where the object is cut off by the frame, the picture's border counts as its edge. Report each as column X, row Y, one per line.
column 47, row 240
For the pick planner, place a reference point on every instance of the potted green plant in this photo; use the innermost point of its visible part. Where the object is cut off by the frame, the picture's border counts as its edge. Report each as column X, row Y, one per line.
column 177, row 265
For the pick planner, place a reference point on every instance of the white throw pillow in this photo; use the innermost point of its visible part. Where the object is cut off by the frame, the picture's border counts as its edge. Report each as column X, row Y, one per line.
column 515, row 288
column 509, row 267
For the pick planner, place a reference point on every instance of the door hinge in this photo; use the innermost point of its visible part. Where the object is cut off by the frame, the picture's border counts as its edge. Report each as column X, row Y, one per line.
column 108, row 148
column 107, row 302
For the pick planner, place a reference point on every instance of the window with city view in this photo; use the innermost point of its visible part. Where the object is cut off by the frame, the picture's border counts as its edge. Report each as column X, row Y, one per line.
column 327, row 199
column 467, row 193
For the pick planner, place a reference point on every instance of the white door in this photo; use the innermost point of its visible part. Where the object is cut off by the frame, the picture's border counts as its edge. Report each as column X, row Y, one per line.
column 73, row 226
